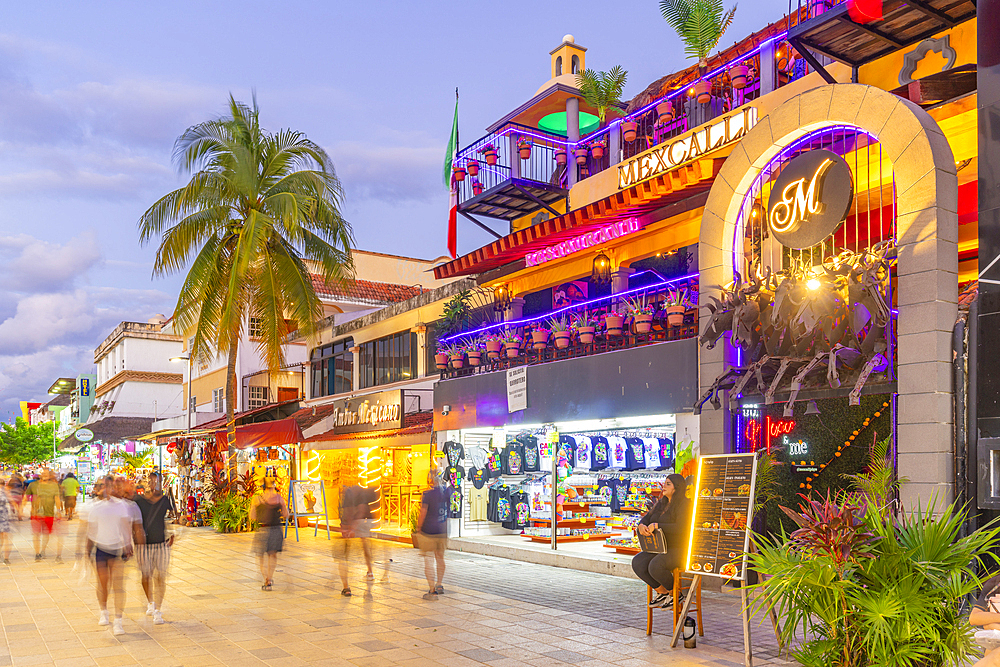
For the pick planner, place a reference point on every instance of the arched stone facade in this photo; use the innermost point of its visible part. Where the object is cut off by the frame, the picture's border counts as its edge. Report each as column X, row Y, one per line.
column 927, row 239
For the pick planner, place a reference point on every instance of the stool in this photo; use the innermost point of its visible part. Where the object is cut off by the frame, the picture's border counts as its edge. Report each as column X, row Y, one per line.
column 678, row 587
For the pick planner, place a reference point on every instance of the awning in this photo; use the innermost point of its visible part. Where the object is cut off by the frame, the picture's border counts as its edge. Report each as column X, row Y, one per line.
column 111, row 430
column 415, row 431
column 264, row 434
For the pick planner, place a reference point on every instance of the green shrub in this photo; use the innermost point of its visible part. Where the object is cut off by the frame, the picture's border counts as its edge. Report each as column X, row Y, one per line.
column 231, row 514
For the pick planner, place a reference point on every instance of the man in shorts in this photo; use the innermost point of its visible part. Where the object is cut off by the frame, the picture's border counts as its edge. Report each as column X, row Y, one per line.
column 111, row 529
column 432, row 538
column 153, row 556
column 45, row 496
column 71, row 489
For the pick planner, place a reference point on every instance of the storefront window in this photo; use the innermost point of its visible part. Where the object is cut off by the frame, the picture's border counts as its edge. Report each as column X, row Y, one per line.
column 387, row 360
column 333, row 368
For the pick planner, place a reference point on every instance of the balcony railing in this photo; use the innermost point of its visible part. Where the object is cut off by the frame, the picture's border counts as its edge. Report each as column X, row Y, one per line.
column 596, row 310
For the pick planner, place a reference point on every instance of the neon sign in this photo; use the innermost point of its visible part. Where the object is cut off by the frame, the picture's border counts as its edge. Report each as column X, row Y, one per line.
column 763, row 434
column 794, row 207
column 810, row 198
column 583, row 241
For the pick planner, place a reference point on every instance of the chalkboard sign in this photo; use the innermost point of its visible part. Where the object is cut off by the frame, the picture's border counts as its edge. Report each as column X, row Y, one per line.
column 723, row 508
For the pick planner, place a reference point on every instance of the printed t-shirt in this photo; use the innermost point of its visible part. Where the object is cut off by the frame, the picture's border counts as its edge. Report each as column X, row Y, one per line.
column 512, row 460
column 454, row 452
column 567, row 447
column 436, row 520
column 454, row 502
column 635, row 454
column 600, row 453
column 666, row 454
column 453, row 476
column 652, row 447
column 618, row 447
column 477, row 455
column 583, row 446
column 504, row 510
column 479, row 504
column 530, row 445
column 519, row 511
column 43, row 498
column 493, row 463
column 606, row 490
column 479, row 477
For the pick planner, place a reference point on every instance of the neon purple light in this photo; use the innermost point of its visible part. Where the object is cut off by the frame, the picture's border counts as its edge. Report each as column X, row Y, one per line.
column 548, row 316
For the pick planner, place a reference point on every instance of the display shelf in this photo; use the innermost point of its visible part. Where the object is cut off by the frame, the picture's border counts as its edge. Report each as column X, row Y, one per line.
column 580, row 503
column 628, row 551
column 569, row 538
column 569, row 523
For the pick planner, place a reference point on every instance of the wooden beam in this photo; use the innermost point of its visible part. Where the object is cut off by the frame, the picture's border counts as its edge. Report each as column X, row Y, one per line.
column 877, row 34
column 926, row 91
column 931, row 12
column 811, row 59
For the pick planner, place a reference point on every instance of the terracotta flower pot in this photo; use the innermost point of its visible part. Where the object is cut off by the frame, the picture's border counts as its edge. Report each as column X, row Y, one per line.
column 477, row 188
column 457, row 360
column 560, row 157
column 738, row 75
column 614, row 324
column 539, row 339
column 475, row 357
column 525, row 152
column 459, row 174
column 441, row 360
column 561, row 339
column 493, row 348
column 665, row 112
column 643, row 322
column 703, row 91
column 675, row 315
column 586, row 334
column 490, row 157
column 512, row 350
column 597, row 151
column 630, row 129
column 581, row 155
column 473, row 168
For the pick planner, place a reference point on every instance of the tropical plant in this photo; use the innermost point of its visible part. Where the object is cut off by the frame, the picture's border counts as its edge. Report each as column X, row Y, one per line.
column 231, row 514
column 257, row 208
column 142, row 458
column 676, row 297
column 248, row 484
column 878, row 486
column 22, row 443
column 602, row 90
column 558, row 324
column 456, row 312
column 637, row 305
column 699, row 23
column 766, row 486
column 584, row 319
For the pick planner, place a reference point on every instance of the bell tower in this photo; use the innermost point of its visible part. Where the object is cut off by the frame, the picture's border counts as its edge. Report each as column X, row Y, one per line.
column 568, row 58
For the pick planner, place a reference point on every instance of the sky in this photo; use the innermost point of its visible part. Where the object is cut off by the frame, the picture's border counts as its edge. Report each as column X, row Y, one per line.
column 93, row 95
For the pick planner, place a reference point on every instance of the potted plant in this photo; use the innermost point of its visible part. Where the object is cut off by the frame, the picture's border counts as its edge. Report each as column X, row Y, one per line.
column 581, row 155
column 412, row 518
column 642, row 313
column 597, row 148
column 560, row 156
column 473, row 167
column 676, row 304
column 456, row 355
column 738, row 76
column 560, row 332
column 630, row 130
column 493, row 343
column 477, row 188
column 441, row 358
column 585, row 327
column 602, row 90
column 702, row 90
column 459, row 174
column 700, row 24
column 540, row 338
column 511, row 343
column 489, row 153
column 474, row 353
column 524, row 148
column 614, row 322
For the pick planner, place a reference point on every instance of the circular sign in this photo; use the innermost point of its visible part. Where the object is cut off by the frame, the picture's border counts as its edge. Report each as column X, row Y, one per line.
column 84, row 435
column 810, row 199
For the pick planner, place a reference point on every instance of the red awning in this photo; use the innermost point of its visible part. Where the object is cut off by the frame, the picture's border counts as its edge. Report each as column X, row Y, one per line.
column 264, row 434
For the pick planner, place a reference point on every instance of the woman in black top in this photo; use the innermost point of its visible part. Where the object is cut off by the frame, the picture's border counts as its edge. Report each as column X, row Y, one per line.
column 672, row 515
column 270, row 511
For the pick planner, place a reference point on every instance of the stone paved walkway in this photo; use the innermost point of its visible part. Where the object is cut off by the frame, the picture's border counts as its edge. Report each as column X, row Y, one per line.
column 496, row 612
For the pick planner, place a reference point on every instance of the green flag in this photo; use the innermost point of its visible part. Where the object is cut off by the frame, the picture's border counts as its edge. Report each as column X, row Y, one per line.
column 452, row 151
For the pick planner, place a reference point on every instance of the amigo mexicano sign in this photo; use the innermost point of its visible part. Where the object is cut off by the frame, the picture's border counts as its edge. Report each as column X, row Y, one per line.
column 687, row 148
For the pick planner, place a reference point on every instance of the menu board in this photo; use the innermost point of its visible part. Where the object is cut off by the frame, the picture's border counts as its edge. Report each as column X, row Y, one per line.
column 723, row 507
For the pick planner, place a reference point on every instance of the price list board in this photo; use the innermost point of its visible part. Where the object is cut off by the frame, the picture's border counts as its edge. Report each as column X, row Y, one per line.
column 723, row 507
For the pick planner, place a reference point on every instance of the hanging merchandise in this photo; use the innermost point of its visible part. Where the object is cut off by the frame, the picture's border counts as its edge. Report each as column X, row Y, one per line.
column 529, row 443
column 618, row 448
column 512, row 459
column 567, row 444
column 600, row 453
column 583, row 447
column 635, row 454
column 454, row 452
column 493, row 463
column 652, row 451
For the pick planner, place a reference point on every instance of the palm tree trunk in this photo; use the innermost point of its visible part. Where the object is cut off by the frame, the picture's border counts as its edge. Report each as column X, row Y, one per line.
column 230, row 410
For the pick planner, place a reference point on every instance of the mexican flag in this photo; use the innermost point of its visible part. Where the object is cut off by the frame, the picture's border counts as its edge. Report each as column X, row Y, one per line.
column 449, row 180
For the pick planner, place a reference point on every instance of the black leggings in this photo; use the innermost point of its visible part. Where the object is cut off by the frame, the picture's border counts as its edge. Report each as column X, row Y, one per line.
column 655, row 569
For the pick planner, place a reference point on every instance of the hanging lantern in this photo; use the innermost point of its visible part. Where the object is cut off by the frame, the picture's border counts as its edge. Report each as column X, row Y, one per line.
column 501, row 298
column 601, row 273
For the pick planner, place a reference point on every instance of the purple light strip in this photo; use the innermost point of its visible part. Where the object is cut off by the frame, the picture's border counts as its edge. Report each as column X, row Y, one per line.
column 548, row 316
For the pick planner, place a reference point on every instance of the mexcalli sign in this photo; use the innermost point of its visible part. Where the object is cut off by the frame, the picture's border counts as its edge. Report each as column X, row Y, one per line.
column 810, row 198
column 583, row 241
column 684, row 149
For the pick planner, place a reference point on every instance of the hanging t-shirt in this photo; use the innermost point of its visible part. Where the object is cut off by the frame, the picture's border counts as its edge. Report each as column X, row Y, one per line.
column 454, row 503
column 545, row 454
column 479, row 477
column 652, row 446
column 454, row 452
column 453, row 476
column 479, row 500
column 493, row 463
column 618, row 447
column 606, row 490
column 529, row 444
column 635, row 454
column 477, row 456
column 521, row 510
column 600, row 453
column 666, row 454
column 512, row 460
column 622, row 487
column 567, row 447
column 504, row 511
column 583, row 446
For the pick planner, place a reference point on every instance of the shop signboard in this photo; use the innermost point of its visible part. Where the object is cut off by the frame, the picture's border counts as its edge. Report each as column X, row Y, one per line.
column 373, row 412
column 306, row 499
column 723, row 507
column 517, row 388
column 84, row 435
column 810, row 199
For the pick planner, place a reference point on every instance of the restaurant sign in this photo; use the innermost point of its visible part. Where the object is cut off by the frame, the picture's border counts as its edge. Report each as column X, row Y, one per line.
column 810, row 198
column 583, row 241
column 686, row 148
column 372, row 412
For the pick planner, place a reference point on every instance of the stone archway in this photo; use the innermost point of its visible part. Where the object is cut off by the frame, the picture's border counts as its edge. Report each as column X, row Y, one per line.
column 927, row 239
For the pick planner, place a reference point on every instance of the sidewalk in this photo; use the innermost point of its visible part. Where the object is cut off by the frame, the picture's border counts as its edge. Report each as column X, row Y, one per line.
column 496, row 612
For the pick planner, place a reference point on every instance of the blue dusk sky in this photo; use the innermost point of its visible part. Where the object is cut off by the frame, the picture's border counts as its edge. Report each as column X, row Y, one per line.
column 95, row 93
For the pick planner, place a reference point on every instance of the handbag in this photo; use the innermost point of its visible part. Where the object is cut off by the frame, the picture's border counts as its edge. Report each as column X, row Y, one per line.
column 654, row 543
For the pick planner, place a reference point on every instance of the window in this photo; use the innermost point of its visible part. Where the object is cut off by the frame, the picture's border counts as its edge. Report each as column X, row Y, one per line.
column 254, row 329
column 218, row 400
column 333, row 368
column 388, row 360
column 258, row 397
column 559, row 66
column 576, row 65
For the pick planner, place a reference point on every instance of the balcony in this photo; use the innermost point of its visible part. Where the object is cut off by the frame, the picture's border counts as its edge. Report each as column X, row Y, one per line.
column 603, row 341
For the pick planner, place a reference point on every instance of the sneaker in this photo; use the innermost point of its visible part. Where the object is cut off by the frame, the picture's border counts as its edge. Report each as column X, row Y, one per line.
column 104, row 618
column 369, row 577
column 158, row 617
column 439, row 589
column 38, row 557
column 430, row 596
column 6, row 561
column 659, row 600
column 59, row 560
column 117, row 629
column 670, row 602
column 150, row 609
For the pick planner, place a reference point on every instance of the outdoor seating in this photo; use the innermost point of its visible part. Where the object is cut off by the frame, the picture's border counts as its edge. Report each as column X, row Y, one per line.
column 679, row 587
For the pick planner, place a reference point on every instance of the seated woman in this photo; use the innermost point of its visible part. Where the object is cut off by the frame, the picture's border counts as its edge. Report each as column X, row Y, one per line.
column 671, row 514
column 986, row 613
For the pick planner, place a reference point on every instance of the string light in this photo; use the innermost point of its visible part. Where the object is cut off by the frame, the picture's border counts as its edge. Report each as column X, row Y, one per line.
column 840, row 449
column 370, row 464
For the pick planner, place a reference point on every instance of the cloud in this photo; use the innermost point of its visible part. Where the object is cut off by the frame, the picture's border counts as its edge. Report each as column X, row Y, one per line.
column 394, row 174
column 33, row 265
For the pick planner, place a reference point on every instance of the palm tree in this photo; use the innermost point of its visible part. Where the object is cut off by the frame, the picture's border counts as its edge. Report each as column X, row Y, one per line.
column 699, row 23
column 602, row 90
column 257, row 208
column 143, row 458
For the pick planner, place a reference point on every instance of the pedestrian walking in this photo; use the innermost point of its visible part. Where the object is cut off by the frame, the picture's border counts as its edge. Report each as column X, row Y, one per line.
column 153, row 556
column 270, row 510
column 45, row 496
column 111, row 531
column 15, row 486
column 71, row 489
column 432, row 538
column 355, row 524
column 6, row 517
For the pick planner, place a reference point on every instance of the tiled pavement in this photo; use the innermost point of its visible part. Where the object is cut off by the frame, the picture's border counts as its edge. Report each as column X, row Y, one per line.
column 496, row 612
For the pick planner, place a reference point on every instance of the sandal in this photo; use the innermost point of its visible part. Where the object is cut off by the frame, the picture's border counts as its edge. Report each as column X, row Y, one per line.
column 346, row 592
column 266, row 586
